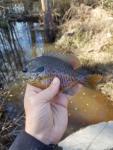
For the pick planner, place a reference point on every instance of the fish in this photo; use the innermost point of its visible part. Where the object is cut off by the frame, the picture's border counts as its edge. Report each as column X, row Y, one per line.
column 40, row 72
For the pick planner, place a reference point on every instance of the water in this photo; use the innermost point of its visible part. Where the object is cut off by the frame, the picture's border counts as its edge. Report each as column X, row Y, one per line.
column 30, row 38
column 87, row 107
column 19, row 43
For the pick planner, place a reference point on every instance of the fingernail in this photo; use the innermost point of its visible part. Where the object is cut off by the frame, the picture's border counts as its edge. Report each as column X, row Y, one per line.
column 55, row 80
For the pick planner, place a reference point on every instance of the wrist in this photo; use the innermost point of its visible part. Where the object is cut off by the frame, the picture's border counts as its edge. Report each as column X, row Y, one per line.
column 41, row 142
column 39, row 137
column 29, row 142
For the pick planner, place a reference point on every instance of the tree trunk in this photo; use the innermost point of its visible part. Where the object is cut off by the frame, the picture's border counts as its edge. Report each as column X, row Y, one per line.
column 48, row 21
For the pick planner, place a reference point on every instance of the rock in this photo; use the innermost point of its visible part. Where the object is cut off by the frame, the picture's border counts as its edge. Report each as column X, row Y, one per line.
column 94, row 137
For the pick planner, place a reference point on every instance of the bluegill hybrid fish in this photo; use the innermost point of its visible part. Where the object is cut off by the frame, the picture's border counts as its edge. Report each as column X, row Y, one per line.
column 41, row 71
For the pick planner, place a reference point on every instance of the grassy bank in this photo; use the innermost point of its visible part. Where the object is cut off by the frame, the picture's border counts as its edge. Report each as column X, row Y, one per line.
column 89, row 35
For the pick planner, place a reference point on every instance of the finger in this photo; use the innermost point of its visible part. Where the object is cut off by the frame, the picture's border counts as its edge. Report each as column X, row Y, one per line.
column 77, row 88
column 62, row 100
column 51, row 91
column 74, row 90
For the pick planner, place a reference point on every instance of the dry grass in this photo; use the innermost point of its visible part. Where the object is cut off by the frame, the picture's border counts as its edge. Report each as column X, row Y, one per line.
column 89, row 35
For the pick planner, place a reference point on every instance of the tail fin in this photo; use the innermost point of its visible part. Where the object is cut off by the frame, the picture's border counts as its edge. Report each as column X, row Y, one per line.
column 93, row 80
column 88, row 76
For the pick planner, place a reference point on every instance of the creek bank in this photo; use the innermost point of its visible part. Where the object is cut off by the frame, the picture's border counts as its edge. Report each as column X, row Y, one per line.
column 89, row 35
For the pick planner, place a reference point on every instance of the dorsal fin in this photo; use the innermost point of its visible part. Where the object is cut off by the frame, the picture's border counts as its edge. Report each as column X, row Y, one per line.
column 69, row 58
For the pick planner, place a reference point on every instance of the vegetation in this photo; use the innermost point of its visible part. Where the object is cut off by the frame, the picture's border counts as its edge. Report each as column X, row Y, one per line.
column 89, row 35
column 107, row 4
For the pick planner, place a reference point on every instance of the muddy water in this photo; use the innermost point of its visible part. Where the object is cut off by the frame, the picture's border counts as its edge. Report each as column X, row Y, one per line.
column 88, row 107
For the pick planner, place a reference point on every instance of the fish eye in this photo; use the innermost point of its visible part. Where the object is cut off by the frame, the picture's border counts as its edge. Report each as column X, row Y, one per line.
column 41, row 69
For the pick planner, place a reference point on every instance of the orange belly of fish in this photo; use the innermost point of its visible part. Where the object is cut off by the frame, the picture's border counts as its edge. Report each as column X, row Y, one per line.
column 45, row 82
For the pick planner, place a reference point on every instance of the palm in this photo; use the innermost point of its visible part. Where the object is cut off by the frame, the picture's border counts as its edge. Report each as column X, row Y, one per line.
column 46, row 113
column 54, row 117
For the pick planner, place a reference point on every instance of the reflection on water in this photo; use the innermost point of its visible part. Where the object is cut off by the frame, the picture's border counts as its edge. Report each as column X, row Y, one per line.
column 30, row 38
column 24, row 36
column 19, row 42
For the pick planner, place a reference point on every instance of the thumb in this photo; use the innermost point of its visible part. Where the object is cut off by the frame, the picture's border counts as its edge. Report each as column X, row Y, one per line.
column 51, row 91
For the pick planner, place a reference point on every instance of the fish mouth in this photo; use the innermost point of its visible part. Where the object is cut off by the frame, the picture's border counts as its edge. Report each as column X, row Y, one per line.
column 38, row 80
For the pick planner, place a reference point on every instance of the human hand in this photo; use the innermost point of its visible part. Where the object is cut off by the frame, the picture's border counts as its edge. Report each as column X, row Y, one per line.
column 46, row 113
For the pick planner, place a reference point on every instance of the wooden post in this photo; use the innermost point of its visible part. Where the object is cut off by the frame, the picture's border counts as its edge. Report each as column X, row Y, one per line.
column 44, row 5
column 48, row 21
